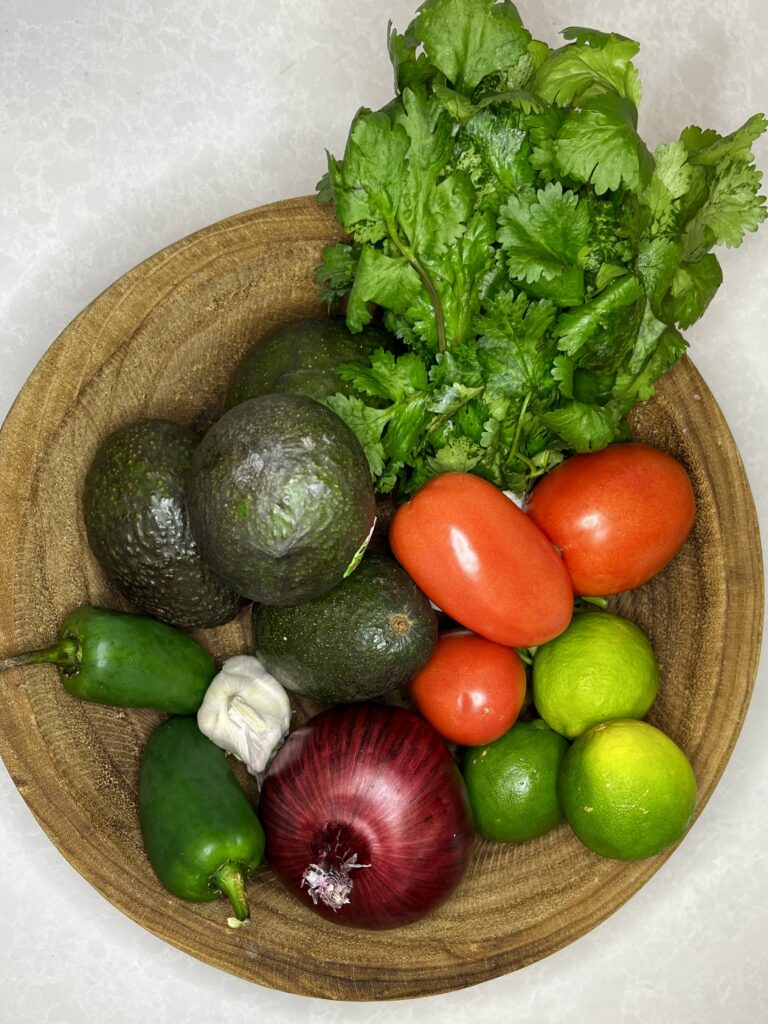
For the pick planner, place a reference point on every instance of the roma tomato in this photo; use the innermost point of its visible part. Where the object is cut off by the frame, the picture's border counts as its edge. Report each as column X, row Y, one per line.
column 471, row 689
column 483, row 561
column 617, row 515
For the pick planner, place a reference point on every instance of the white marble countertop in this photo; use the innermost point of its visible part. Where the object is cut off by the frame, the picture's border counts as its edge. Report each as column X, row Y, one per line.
column 127, row 125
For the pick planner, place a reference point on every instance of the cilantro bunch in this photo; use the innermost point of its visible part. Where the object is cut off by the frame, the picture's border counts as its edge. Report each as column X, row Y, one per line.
column 514, row 231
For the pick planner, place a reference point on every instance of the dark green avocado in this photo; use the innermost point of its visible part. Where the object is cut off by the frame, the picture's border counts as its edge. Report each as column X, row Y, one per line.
column 370, row 634
column 135, row 512
column 280, row 498
column 300, row 359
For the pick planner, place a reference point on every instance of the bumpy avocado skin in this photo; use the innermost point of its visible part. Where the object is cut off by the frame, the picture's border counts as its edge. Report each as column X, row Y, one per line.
column 135, row 512
column 370, row 634
column 280, row 498
column 300, row 359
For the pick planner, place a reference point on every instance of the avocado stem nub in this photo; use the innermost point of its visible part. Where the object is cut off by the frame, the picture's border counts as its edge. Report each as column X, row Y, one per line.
column 400, row 625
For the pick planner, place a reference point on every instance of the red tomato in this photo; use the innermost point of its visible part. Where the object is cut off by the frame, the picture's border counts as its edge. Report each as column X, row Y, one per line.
column 617, row 515
column 483, row 561
column 471, row 689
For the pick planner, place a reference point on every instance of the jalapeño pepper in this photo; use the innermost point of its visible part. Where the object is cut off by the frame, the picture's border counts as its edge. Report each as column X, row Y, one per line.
column 201, row 834
column 130, row 661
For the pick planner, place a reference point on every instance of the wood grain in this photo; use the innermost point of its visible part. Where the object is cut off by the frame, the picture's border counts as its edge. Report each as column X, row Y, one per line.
column 162, row 342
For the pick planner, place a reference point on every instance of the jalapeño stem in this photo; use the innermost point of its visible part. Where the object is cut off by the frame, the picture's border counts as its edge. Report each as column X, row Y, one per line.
column 231, row 881
column 66, row 655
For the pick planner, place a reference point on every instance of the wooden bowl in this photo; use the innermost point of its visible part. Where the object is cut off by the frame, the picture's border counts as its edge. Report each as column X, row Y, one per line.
column 161, row 342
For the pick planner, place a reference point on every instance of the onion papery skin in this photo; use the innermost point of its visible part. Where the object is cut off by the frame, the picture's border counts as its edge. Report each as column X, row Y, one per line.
column 372, row 785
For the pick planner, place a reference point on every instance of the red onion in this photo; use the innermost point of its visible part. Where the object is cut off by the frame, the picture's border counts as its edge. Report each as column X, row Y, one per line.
column 366, row 816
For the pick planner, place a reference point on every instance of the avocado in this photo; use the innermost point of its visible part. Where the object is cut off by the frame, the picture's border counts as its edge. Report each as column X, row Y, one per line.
column 386, row 507
column 370, row 634
column 300, row 359
column 280, row 498
column 135, row 513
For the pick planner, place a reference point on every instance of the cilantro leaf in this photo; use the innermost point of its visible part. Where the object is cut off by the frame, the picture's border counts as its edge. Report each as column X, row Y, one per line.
column 608, row 272
column 707, row 148
column 404, row 433
column 459, row 365
column 613, row 232
column 458, row 274
column 512, row 348
column 517, row 99
column 495, row 138
column 602, row 330
column 692, row 289
column 543, row 131
column 387, row 375
column 431, row 215
column 670, row 181
column 600, row 144
column 459, row 106
column 582, row 426
column 563, row 368
column 671, row 170
column 448, row 400
column 567, row 289
column 731, row 208
column 366, row 424
column 657, row 262
column 593, row 36
column 656, row 351
column 365, row 184
column 336, row 273
column 410, row 68
column 542, row 232
column 462, row 108
column 469, row 39
column 324, row 187
column 390, row 281
column 722, row 203
column 596, row 63
column 460, row 455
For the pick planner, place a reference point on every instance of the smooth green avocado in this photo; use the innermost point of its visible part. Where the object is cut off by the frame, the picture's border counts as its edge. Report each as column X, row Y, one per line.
column 280, row 498
column 135, row 512
column 370, row 634
column 301, row 359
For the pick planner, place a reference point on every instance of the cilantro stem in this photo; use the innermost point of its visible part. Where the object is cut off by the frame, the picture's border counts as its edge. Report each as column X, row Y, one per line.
column 537, row 471
column 426, row 280
column 437, row 421
column 513, row 454
column 439, row 318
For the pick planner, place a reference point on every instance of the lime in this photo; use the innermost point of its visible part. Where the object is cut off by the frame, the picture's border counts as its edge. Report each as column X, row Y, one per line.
column 602, row 667
column 512, row 782
column 627, row 790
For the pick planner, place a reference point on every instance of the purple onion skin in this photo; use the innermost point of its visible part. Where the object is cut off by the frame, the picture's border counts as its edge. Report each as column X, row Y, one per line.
column 378, row 783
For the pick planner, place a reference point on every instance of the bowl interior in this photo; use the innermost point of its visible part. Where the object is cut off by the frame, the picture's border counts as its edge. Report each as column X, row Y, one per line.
column 161, row 342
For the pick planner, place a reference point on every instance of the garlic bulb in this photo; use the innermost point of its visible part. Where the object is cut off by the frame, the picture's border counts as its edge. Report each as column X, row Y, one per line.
column 245, row 711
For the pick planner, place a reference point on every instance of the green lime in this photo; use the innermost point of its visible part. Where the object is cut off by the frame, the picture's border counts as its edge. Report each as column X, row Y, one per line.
column 512, row 782
column 602, row 667
column 627, row 790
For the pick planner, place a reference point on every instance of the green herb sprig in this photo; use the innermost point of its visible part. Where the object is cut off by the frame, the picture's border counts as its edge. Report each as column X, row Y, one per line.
column 512, row 228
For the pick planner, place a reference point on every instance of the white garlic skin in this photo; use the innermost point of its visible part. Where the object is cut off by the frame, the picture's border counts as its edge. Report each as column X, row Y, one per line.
column 245, row 711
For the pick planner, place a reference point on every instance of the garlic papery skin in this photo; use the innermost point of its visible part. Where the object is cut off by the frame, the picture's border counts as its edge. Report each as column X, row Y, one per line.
column 245, row 711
